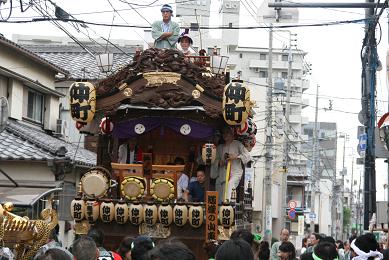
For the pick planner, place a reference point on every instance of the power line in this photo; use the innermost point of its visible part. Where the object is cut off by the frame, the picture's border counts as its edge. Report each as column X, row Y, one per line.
column 343, row 22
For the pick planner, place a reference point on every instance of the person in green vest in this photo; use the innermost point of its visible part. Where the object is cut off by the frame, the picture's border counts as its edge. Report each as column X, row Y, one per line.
column 165, row 32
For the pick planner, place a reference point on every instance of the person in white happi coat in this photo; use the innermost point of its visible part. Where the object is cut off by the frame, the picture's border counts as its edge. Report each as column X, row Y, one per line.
column 234, row 151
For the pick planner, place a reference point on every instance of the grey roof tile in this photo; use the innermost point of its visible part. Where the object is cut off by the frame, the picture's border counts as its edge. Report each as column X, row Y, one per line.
column 78, row 62
column 23, row 142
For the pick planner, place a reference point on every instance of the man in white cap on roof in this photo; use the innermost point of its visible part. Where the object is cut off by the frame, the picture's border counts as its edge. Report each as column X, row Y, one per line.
column 165, row 32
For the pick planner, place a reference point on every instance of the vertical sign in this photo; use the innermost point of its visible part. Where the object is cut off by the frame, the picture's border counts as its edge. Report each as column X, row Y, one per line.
column 211, row 212
column 268, row 221
column 300, row 227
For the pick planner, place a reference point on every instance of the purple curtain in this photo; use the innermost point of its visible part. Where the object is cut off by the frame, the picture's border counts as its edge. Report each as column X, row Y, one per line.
column 126, row 129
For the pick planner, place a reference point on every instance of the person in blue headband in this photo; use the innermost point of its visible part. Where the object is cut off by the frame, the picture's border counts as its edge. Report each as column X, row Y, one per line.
column 165, row 32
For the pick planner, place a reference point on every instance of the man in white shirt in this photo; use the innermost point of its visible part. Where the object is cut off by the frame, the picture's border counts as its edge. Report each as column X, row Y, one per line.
column 236, row 153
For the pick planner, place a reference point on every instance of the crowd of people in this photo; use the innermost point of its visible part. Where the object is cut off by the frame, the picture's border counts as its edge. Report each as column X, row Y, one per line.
column 242, row 245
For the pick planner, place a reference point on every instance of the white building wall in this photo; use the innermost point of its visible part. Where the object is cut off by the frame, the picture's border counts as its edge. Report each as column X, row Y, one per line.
column 31, row 171
column 18, row 63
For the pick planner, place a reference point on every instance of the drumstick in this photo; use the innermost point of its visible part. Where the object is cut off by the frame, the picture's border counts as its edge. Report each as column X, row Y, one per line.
column 228, row 171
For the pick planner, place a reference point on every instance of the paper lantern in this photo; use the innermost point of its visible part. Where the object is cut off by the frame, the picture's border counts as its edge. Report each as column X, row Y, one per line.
column 247, row 128
column 236, row 103
column 106, row 126
column 208, row 153
column 180, row 214
column 107, row 211
column 196, row 215
column 165, row 214
column 121, row 212
column 136, row 213
column 150, row 212
column 226, row 215
column 92, row 210
column 82, row 101
column 77, row 209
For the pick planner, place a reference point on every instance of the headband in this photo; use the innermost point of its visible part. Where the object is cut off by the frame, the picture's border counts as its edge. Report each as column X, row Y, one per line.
column 315, row 257
column 133, row 244
column 362, row 255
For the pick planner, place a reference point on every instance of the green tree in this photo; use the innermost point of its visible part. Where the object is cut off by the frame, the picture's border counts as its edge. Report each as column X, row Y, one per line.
column 346, row 216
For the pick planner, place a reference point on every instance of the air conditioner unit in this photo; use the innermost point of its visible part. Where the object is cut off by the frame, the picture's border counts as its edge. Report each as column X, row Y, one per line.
column 62, row 129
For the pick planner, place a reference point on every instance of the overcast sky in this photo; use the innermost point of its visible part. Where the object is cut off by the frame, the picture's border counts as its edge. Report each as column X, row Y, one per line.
column 333, row 52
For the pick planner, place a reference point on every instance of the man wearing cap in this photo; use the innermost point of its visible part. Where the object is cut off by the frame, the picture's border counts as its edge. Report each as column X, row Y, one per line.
column 165, row 32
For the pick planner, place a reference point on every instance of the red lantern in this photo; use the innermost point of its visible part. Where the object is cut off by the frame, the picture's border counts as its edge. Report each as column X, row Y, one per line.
column 79, row 125
column 247, row 128
column 106, row 126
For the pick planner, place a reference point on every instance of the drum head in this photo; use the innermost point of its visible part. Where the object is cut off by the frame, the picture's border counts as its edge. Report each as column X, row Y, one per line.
column 162, row 189
column 94, row 184
column 132, row 187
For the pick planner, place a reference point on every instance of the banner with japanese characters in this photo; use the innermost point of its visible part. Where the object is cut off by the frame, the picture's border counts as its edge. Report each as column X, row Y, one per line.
column 211, row 212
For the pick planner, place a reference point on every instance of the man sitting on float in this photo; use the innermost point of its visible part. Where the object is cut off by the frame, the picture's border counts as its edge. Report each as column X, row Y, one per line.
column 196, row 189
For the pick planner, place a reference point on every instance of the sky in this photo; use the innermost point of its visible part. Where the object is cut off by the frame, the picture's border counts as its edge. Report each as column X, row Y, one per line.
column 333, row 51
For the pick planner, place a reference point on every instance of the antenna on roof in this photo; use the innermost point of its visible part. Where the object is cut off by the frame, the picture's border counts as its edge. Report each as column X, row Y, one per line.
column 3, row 113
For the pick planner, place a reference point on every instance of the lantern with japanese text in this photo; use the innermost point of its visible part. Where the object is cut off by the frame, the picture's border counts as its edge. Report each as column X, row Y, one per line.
column 136, row 213
column 208, row 153
column 150, row 212
column 106, row 126
column 180, row 214
column 92, row 210
column 82, row 101
column 196, row 215
column 121, row 212
column 226, row 215
column 236, row 103
column 107, row 211
column 77, row 209
column 165, row 214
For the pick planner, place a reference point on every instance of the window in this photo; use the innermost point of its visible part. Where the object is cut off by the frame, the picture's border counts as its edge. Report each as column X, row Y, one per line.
column 211, row 50
column 240, row 55
column 194, row 27
column 284, row 75
column 262, row 56
column 284, row 57
column 263, row 73
column 35, row 106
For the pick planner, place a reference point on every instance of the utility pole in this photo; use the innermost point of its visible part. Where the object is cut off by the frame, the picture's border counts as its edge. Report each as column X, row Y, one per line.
column 269, row 143
column 314, row 174
column 352, row 193
column 287, row 127
column 344, row 136
column 369, row 66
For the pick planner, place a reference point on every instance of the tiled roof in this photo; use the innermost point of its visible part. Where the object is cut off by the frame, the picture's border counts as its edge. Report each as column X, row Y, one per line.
column 22, row 142
column 32, row 55
column 78, row 62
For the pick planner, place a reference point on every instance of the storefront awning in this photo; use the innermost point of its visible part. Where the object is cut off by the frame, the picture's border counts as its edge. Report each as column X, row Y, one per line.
column 24, row 197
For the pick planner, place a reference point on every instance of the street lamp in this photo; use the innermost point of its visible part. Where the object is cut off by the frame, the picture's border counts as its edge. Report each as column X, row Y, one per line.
column 104, row 62
column 218, row 62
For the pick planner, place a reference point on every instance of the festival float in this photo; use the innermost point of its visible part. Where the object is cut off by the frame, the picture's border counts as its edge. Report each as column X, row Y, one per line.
column 22, row 235
column 172, row 105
